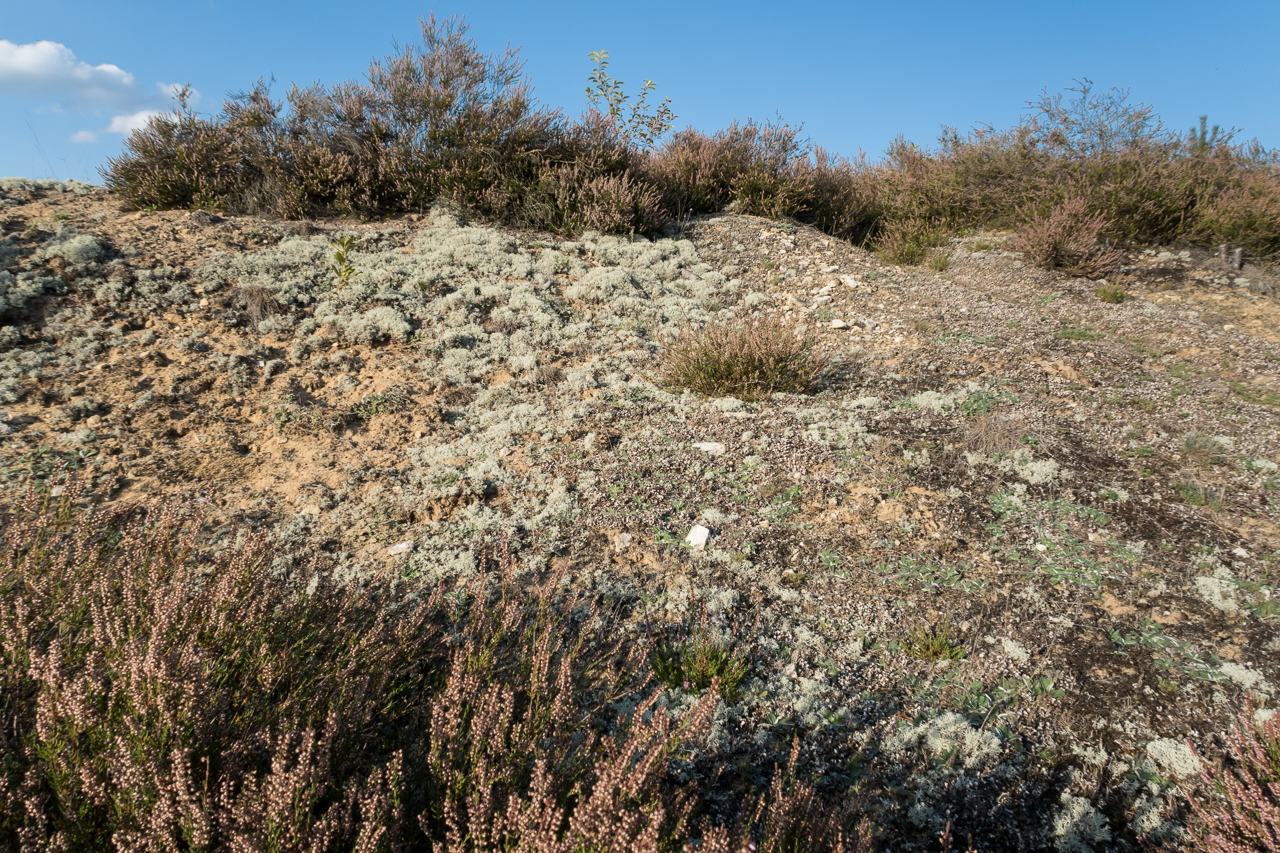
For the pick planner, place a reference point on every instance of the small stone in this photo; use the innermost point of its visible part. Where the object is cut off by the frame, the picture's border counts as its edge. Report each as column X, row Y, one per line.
column 689, row 275
column 622, row 542
column 204, row 303
column 504, row 452
column 1228, row 327
column 1240, row 552
column 839, row 324
column 714, row 448
column 697, row 537
column 401, row 547
column 867, row 323
column 822, row 300
column 830, row 269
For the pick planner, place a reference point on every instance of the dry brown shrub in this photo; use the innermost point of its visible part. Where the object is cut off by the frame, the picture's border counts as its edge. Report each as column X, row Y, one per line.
column 259, row 303
column 1070, row 239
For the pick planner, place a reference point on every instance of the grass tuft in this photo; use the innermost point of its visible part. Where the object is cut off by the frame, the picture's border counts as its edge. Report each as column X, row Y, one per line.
column 752, row 360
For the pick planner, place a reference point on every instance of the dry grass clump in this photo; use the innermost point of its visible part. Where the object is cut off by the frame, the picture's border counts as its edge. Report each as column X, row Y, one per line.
column 995, row 433
column 162, row 696
column 1246, row 816
column 258, row 303
column 748, row 360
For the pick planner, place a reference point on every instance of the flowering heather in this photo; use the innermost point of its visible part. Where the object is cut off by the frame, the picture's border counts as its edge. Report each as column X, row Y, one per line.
column 163, row 697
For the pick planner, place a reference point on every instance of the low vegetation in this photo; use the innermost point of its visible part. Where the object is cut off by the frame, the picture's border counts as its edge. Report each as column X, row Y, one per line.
column 161, row 697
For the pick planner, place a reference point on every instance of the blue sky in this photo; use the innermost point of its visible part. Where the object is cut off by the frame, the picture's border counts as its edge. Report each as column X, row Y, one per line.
column 75, row 75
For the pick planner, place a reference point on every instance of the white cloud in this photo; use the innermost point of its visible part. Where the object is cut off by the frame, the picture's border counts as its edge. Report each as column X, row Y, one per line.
column 132, row 122
column 50, row 69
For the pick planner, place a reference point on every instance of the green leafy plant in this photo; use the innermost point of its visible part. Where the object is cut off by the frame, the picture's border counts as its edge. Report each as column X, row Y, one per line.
column 640, row 127
column 342, row 267
column 391, row 400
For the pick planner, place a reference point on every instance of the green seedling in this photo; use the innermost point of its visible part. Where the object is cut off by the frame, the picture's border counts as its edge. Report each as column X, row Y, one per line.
column 342, row 267
column 934, row 644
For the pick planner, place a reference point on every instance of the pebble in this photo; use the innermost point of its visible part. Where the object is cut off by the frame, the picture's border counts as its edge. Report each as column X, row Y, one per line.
column 867, row 323
column 714, row 448
column 401, row 547
column 822, row 300
column 697, row 537
column 839, row 324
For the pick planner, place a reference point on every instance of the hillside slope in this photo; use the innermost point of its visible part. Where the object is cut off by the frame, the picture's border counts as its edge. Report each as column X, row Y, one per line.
column 1023, row 540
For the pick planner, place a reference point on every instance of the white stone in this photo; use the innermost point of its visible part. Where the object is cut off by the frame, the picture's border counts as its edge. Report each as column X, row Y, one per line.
column 697, row 537
column 622, row 542
column 839, row 324
column 1240, row 552
column 401, row 547
column 822, row 300
column 715, row 448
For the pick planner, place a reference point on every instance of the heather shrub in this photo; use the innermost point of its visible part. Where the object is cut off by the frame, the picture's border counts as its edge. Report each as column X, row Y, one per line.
column 162, row 693
column 1069, row 239
column 1244, row 816
column 600, row 187
column 749, row 360
column 437, row 121
column 443, row 122
column 907, row 242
